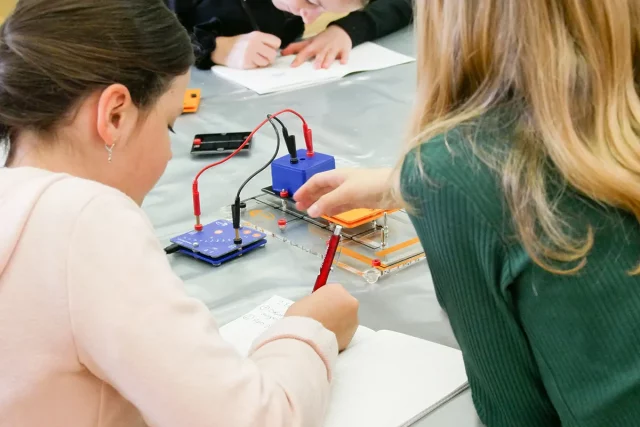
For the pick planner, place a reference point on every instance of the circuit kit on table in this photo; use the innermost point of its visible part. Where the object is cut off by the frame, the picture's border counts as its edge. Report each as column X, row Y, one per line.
column 373, row 244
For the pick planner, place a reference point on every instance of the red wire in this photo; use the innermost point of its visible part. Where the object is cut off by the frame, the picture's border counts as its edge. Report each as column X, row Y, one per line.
column 196, row 194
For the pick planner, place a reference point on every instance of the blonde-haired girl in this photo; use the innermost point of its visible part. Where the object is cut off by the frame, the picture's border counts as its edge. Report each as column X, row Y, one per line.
column 523, row 182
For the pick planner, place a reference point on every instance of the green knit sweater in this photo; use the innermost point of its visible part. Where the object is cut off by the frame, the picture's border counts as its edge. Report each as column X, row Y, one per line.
column 540, row 349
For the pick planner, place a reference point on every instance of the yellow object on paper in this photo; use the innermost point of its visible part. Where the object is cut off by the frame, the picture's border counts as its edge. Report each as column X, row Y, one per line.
column 383, row 379
column 281, row 76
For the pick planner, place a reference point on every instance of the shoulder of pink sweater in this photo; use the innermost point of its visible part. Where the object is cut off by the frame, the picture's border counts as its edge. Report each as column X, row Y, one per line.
column 77, row 193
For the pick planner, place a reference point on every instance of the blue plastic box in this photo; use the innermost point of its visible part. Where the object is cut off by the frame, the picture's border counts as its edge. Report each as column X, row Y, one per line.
column 290, row 177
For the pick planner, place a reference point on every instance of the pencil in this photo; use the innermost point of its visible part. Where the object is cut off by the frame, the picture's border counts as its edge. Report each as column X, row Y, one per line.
column 325, row 269
column 252, row 20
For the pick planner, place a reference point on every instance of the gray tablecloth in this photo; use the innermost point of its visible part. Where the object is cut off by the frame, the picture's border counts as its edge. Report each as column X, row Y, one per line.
column 361, row 120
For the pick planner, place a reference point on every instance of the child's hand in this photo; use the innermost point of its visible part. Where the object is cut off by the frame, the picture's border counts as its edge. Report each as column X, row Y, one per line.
column 332, row 306
column 253, row 50
column 333, row 43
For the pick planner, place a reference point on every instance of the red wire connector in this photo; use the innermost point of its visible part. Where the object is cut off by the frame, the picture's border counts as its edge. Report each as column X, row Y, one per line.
column 308, row 140
column 196, row 205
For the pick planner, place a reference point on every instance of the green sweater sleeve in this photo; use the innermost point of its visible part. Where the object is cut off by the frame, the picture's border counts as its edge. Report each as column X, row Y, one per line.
column 469, row 263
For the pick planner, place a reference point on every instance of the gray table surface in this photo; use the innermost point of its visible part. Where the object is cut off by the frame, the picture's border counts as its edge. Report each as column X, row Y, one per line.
column 361, row 120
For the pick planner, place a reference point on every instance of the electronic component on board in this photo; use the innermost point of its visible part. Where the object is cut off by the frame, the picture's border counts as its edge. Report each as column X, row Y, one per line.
column 215, row 244
column 375, row 243
column 288, row 176
column 216, row 143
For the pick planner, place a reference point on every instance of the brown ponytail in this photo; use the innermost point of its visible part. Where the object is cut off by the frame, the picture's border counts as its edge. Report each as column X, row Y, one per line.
column 55, row 52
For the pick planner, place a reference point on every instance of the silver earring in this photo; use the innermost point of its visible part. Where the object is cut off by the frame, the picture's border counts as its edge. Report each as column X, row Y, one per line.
column 110, row 151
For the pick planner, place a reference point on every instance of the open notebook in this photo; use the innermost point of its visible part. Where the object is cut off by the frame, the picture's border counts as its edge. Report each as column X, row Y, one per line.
column 383, row 379
column 280, row 76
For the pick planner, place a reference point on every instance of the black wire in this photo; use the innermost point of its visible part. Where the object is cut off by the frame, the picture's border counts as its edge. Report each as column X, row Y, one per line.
column 275, row 154
column 290, row 141
column 285, row 131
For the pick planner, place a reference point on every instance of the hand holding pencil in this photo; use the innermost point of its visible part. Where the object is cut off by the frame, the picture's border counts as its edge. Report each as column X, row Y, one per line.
column 246, row 51
column 334, row 308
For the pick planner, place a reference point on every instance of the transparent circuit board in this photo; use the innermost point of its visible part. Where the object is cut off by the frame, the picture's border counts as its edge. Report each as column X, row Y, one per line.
column 383, row 245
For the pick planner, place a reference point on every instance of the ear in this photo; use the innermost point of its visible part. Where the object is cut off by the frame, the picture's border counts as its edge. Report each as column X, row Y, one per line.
column 117, row 115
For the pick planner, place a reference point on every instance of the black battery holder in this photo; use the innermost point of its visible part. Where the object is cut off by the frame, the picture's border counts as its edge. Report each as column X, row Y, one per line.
column 219, row 143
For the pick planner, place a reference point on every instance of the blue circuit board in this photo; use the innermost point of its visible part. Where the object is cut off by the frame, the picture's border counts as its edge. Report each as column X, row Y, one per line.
column 214, row 244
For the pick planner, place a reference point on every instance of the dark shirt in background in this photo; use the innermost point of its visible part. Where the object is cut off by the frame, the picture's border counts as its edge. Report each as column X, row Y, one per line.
column 207, row 19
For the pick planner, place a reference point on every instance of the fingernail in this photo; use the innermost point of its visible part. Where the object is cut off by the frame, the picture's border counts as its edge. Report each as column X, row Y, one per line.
column 313, row 211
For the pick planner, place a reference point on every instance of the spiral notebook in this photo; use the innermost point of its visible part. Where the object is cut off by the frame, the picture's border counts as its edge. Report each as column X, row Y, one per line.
column 383, row 379
column 281, row 76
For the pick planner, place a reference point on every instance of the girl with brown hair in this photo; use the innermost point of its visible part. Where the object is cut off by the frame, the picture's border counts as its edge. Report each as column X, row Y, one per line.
column 95, row 328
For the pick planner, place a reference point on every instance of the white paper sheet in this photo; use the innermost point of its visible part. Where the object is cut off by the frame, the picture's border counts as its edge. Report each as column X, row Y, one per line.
column 383, row 379
column 281, row 76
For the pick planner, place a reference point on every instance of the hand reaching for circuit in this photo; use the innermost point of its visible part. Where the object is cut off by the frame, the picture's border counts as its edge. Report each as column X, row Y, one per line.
column 340, row 190
column 253, row 50
column 333, row 43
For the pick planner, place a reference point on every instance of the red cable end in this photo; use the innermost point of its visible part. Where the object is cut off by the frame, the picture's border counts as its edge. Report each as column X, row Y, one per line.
column 196, row 206
column 308, row 139
column 196, row 203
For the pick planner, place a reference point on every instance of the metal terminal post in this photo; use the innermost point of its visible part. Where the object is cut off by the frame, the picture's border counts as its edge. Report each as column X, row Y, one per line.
column 385, row 231
column 284, row 205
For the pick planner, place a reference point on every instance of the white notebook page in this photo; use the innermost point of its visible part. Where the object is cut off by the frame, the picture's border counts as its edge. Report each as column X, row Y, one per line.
column 383, row 379
column 392, row 380
column 281, row 76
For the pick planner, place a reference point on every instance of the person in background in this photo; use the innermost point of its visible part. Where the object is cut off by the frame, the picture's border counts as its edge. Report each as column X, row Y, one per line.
column 96, row 328
column 523, row 182
column 249, row 34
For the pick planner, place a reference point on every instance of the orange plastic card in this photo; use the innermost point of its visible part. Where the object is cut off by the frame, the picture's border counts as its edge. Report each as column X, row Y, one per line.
column 356, row 217
column 191, row 101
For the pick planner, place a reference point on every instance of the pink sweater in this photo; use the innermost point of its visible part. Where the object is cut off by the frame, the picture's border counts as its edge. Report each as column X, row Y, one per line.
column 96, row 330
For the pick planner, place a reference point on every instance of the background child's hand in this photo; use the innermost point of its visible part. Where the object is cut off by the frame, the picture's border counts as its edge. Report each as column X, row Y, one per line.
column 253, row 50
column 333, row 43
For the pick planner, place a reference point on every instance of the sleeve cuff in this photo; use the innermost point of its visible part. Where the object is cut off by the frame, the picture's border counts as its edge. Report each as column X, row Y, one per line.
column 203, row 40
column 359, row 26
column 307, row 330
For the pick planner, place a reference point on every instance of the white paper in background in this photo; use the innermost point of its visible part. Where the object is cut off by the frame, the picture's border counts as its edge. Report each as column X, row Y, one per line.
column 281, row 76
